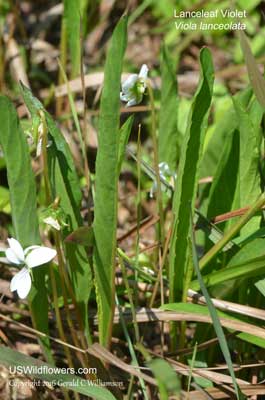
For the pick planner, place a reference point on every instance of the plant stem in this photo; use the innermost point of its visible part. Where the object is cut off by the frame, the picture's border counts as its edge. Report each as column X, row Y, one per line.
column 156, row 166
column 138, row 206
column 129, row 291
column 63, row 58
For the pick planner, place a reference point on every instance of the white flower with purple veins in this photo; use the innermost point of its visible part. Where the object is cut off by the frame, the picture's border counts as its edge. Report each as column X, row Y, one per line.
column 134, row 87
column 31, row 257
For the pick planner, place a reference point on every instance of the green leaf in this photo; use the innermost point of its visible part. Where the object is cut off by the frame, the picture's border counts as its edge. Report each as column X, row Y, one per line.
column 20, row 175
column 260, row 285
column 167, row 379
column 222, row 192
column 248, row 5
column 255, row 77
column 72, row 20
column 186, row 186
column 4, row 200
column 168, row 117
column 249, row 261
column 234, row 229
column 37, row 368
column 124, row 134
column 249, row 120
column 23, row 200
column 107, row 172
column 226, row 124
column 65, row 185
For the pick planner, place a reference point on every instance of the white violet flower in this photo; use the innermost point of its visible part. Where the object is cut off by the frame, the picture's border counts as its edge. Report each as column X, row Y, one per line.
column 31, row 257
column 134, row 87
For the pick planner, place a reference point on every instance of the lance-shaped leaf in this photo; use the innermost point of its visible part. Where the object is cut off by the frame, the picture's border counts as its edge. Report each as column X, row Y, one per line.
column 249, row 120
column 185, row 192
column 256, row 79
column 107, row 172
column 23, row 200
column 168, row 124
column 223, row 196
column 72, row 23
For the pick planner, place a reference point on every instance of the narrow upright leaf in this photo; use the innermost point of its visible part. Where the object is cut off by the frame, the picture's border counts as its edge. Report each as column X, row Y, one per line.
column 72, row 20
column 185, row 192
column 107, row 171
column 23, row 200
column 168, row 117
column 255, row 77
column 249, row 120
column 224, row 190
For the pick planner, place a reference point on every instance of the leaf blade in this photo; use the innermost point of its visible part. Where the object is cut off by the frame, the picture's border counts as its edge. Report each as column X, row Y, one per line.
column 188, row 175
column 255, row 77
column 23, row 200
column 168, row 116
column 106, row 181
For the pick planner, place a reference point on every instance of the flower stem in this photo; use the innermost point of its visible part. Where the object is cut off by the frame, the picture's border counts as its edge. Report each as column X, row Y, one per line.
column 63, row 58
column 156, row 167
